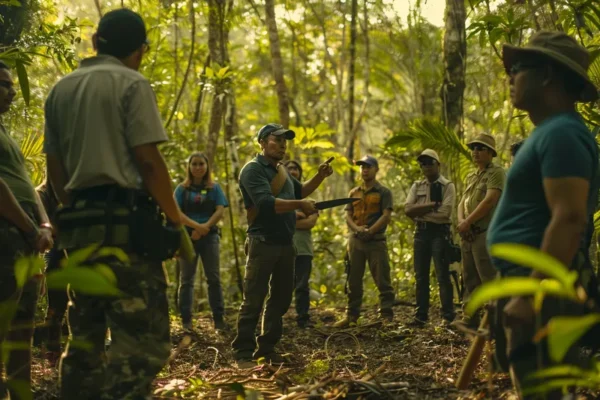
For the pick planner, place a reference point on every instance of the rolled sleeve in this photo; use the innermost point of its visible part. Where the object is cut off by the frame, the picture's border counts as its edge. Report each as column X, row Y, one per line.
column 448, row 202
column 496, row 179
column 258, row 188
column 412, row 195
column 142, row 118
column 221, row 199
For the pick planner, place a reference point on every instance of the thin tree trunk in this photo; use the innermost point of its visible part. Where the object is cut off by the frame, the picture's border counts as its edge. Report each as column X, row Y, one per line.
column 216, row 37
column 277, row 64
column 351, row 70
column 200, row 105
column 455, row 55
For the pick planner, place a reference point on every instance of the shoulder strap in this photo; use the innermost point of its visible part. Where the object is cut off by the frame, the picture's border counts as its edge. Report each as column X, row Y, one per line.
column 276, row 185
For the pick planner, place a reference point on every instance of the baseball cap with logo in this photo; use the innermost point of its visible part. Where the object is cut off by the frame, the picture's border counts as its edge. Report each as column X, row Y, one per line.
column 431, row 154
column 275, row 130
column 120, row 33
column 368, row 160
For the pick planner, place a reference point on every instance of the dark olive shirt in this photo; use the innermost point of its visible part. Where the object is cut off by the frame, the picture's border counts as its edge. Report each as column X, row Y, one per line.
column 255, row 180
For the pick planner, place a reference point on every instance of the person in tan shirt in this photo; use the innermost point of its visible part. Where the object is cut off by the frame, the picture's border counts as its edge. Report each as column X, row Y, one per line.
column 475, row 211
column 430, row 204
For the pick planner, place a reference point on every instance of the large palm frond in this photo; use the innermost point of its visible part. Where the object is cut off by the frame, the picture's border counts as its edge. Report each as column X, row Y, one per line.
column 31, row 147
column 430, row 133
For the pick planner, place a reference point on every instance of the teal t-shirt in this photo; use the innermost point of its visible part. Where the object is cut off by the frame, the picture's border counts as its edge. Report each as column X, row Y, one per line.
column 199, row 203
column 561, row 146
column 303, row 242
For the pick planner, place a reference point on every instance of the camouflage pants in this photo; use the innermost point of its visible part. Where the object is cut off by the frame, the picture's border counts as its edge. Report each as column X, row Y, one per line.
column 139, row 324
column 13, row 246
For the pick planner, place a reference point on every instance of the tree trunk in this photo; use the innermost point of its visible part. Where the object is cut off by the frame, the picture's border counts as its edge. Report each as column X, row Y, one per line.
column 351, row 71
column 277, row 64
column 218, row 37
column 455, row 56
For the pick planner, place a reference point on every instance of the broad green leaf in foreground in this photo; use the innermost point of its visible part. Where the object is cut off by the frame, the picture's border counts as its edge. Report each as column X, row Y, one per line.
column 83, row 280
column 514, row 286
column 564, row 331
column 535, row 259
column 563, row 371
column 26, row 268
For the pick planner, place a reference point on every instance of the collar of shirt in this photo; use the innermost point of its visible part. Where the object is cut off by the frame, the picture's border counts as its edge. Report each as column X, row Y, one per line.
column 263, row 160
column 441, row 179
column 376, row 186
column 100, row 59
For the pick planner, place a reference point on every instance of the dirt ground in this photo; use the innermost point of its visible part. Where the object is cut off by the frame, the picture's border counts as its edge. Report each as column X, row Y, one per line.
column 374, row 360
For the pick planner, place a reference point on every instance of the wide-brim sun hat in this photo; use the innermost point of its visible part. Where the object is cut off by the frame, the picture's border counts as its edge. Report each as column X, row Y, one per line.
column 558, row 47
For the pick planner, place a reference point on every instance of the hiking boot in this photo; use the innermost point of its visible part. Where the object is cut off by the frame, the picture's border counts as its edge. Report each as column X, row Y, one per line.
column 346, row 322
column 305, row 323
column 220, row 324
column 417, row 323
column 187, row 326
column 245, row 363
column 387, row 316
column 273, row 359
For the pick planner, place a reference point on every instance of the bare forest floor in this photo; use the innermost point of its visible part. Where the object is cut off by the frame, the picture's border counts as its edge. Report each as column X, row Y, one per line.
column 374, row 360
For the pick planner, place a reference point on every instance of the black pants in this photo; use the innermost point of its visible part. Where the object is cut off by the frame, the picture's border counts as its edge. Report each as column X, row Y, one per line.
column 302, row 289
column 57, row 303
column 432, row 242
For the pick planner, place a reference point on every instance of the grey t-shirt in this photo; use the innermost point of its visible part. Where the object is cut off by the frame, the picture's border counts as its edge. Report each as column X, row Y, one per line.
column 95, row 116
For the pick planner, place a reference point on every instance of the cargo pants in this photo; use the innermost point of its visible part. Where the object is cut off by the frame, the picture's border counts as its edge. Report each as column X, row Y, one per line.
column 269, row 271
column 375, row 253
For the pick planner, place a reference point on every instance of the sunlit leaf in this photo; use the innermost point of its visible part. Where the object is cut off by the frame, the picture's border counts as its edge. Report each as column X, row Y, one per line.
column 563, row 371
column 23, row 81
column 82, row 280
column 76, row 258
column 510, row 287
column 26, row 268
column 564, row 331
column 535, row 259
column 21, row 387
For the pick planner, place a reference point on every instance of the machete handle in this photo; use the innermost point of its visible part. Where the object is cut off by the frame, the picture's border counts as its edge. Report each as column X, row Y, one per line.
column 330, row 159
column 472, row 360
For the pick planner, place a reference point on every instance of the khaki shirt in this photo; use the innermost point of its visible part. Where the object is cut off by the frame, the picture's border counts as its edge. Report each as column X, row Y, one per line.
column 477, row 185
column 95, row 116
column 420, row 194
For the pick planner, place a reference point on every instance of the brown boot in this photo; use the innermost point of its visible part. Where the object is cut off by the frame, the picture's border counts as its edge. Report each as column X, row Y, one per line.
column 346, row 322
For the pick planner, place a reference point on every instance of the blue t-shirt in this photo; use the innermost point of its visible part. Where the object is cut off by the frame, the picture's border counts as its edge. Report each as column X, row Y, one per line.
column 198, row 202
column 561, row 146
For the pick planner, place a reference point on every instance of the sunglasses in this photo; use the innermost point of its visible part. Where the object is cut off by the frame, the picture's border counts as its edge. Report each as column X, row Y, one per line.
column 6, row 84
column 423, row 163
column 478, row 147
column 519, row 66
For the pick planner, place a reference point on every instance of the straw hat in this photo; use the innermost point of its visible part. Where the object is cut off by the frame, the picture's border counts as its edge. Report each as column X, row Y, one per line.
column 559, row 47
column 486, row 140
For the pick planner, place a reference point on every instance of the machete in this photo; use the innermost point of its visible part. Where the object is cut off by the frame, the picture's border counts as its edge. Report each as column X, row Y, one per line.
column 322, row 205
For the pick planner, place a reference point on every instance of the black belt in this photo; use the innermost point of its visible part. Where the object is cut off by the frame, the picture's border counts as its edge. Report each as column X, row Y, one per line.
column 426, row 226
column 114, row 193
column 273, row 240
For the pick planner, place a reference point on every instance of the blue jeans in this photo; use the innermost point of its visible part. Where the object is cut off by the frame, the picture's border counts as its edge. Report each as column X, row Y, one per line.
column 302, row 290
column 208, row 249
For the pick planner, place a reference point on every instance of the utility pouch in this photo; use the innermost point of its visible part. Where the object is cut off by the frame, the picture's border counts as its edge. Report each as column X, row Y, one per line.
column 150, row 236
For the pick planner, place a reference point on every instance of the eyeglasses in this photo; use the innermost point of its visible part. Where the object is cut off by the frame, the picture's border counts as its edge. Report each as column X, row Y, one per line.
column 518, row 67
column 6, row 84
column 478, row 147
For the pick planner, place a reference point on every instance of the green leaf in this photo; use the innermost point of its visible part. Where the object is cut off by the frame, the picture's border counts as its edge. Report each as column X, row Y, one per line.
column 78, row 257
column 8, row 308
column 318, row 144
column 535, row 259
column 222, row 72
column 83, row 280
column 115, row 252
column 210, row 73
column 23, row 81
column 564, row 331
column 559, row 384
column 27, row 267
column 510, row 287
column 21, row 388
column 559, row 371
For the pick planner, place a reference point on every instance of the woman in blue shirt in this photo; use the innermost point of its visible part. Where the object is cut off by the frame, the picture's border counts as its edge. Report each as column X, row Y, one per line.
column 202, row 202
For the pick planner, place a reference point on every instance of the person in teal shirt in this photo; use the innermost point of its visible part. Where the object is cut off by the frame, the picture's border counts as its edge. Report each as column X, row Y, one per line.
column 304, row 255
column 551, row 188
column 202, row 202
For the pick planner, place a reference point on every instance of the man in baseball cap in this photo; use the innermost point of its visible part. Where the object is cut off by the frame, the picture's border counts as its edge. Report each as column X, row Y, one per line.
column 429, row 204
column 552, row 185
column 121, row 33
column 367, row 220
column 275, row 130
